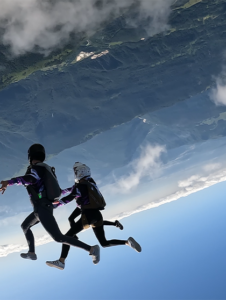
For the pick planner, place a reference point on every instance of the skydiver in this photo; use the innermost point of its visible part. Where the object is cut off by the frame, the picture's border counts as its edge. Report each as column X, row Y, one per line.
column 43, row 188
column 90, row 215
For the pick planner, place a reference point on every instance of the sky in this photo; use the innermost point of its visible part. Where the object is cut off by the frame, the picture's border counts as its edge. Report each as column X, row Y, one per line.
column 163, row 182
column 183, row 257
column 129, row 186
column 169, row 197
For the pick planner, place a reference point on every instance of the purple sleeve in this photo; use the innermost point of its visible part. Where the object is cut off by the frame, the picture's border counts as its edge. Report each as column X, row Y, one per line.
column 23, row 180
column 67, row 190
column 75, row 193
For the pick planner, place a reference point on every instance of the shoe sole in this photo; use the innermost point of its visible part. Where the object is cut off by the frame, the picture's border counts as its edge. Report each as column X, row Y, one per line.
column 96, row 262
column 137, row 247
column 29, row 258
column 54, row 266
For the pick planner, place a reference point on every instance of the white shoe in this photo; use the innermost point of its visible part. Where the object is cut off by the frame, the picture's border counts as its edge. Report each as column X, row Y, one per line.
column 56, row 264
column 29, row 255
column 133, row 244
column 95, row 254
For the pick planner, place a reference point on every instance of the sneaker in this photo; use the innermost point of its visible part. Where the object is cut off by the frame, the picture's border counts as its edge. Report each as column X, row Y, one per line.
column 133, row 244
column 29, row 255
column 56, row 264
column 95, row 254
column 118, row 224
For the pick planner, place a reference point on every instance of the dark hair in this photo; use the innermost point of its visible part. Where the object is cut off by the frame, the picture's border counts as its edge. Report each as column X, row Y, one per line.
column 36, row 152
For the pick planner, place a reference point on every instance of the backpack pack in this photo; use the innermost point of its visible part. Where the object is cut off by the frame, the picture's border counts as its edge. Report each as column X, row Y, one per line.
column 52, row 188
column 96, row 199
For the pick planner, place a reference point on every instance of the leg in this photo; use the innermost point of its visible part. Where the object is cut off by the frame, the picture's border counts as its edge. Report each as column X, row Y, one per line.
column 30, row 221
column 60, row 263
column 109, row 223
column 49, row 223
column 76, row 228
column 116, row 224
column 99, row 232
column 95, row 218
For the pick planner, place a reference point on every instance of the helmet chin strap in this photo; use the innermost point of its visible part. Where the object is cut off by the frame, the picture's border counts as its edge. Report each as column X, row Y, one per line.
column 76, row 179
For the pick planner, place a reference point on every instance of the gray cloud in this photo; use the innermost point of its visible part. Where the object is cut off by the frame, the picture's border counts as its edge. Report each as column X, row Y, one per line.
column 2, row 68
column 28, row 24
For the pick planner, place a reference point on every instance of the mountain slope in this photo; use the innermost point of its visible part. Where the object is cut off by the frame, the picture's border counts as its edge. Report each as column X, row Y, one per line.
column 69, row 100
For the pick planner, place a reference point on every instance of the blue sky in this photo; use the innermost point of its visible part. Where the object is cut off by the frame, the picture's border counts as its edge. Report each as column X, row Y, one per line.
column 182, row 241
column 163, row 175
column 183, row 257
column 151, row 175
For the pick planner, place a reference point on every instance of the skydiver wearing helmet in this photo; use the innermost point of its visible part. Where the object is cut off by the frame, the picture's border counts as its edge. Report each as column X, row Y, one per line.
column 43, row 188
column 90, row 202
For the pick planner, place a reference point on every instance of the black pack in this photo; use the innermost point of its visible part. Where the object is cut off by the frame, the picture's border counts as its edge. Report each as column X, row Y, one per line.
column 52, row 187
column 96, row 199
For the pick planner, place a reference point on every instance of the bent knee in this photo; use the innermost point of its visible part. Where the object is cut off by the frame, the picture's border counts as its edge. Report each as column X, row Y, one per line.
column 104, row 244
column 24, row 227
column 58, row 238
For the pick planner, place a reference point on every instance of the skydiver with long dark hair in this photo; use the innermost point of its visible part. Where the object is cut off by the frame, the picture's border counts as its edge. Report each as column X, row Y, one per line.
column 43, row 188
column 90, row 201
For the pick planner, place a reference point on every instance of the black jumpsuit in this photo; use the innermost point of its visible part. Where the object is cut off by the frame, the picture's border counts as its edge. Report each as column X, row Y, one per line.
column 43, row 211
column 94, row 217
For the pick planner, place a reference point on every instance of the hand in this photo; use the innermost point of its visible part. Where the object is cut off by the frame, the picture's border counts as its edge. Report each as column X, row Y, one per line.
column 4, row 184
column 56, row 202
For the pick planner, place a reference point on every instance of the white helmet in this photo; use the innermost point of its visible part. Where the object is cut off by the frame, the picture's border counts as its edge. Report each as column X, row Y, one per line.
column 81, row 170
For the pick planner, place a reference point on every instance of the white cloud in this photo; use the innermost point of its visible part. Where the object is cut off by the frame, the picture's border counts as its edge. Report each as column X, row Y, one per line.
column 82, row 55
column 218, row 94
column 11, row 248
column 43, row 25
column 188, row 182
column 148, row 164
column 211, row 167
column 100, row 54
column 188, row 186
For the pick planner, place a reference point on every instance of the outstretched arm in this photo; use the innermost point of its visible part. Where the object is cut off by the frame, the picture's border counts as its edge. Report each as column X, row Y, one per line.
column 27, row 179
column 63, row 192
column 4, row 184
column 75, row 193
column 22, row 180
column 67, row 190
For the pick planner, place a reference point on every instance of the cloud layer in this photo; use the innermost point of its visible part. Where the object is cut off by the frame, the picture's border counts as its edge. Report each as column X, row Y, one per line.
column 186, row 187
column 11, row 248
column 43, row 25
